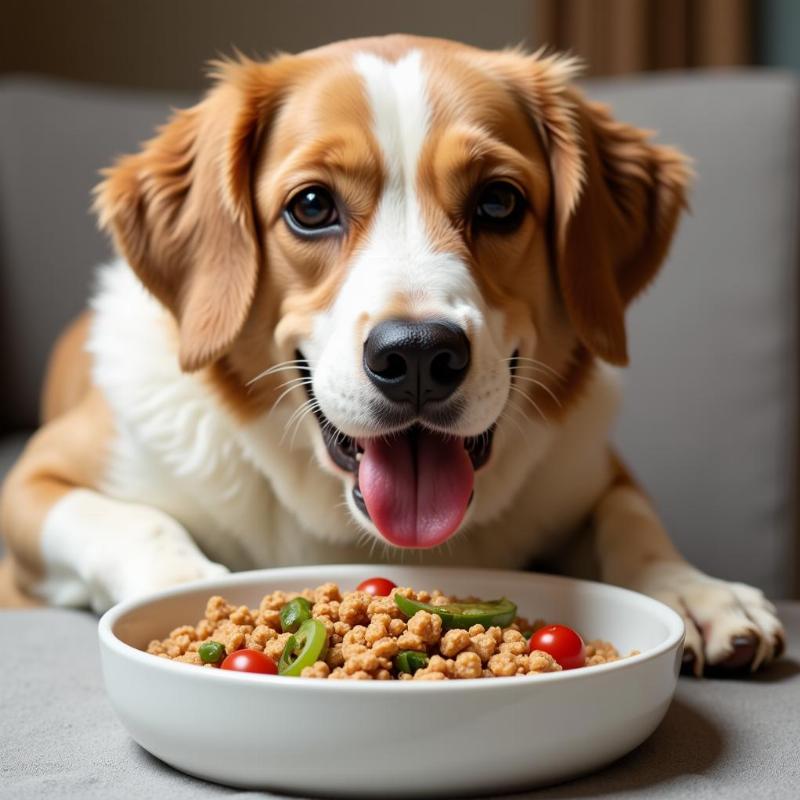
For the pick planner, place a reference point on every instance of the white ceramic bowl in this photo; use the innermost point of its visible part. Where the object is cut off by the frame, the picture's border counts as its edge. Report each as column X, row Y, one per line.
column 395, row 738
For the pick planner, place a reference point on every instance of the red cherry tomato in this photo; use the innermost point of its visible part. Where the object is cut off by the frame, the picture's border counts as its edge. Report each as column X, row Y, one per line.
column 377, row 587
column 250, row 661
column 562, row 643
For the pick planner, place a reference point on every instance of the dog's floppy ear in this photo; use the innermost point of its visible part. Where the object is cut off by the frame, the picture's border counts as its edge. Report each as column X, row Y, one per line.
column 182, row 214
column 617, row 200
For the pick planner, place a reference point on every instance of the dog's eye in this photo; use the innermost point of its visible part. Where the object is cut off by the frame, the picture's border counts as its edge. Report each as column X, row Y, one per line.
column 312, row 210
column 499, row 205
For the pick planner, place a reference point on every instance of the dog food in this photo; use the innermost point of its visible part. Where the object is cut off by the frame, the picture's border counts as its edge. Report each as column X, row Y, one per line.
column 378, row 632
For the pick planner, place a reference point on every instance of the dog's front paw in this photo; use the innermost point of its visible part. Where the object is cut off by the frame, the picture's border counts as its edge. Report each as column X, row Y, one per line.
column 153, row 576
column 151, row 551
column 730, row 627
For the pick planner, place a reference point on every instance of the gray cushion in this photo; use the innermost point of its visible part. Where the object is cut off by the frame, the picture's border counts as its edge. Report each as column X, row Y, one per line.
column 710, row 398
column 60, row 739
column 53, row 140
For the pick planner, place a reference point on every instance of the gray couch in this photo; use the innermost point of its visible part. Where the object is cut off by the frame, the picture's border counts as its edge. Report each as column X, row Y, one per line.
column 709, row 421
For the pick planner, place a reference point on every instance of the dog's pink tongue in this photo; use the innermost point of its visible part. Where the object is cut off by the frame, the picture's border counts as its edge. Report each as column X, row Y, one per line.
column 416, row 490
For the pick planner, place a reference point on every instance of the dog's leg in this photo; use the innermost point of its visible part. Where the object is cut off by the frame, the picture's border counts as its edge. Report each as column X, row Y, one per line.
column 728, row 625
column 70, row 544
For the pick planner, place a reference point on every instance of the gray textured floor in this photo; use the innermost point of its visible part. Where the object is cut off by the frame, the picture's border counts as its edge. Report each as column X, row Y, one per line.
column 59, row 737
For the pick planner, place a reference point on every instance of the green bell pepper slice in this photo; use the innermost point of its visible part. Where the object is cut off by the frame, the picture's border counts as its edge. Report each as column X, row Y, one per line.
column 464, row 615
column 410, row 661
column 294, row 614
column 303, row 648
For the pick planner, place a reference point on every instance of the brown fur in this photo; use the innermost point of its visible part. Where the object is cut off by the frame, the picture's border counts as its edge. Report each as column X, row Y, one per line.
column 67, row 378
column 69, row 452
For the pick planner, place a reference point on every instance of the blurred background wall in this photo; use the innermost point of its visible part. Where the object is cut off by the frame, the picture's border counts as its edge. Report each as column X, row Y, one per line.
column 164, row 43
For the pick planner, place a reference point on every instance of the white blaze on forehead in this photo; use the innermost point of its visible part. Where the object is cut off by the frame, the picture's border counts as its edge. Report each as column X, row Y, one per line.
column 398, row 99
column 398, row 257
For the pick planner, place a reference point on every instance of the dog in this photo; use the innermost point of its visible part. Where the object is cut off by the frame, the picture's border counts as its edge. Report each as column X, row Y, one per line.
column 368, row 296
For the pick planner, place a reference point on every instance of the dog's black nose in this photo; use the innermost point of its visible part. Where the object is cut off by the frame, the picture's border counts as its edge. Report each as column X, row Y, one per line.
column 416, row 362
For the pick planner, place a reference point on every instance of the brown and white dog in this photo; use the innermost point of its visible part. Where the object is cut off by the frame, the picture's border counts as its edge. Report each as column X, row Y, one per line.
column 369, row 293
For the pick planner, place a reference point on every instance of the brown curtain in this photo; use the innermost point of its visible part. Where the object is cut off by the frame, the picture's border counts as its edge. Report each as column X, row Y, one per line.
column 619, row 36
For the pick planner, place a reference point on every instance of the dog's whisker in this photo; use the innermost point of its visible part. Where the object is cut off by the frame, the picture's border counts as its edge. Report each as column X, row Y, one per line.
column 533, row 363
column 299, row 413
column 284, row 393
column 297, row 426
column 541, row 385
column 532, row 402
column 283, row 366
column 299, row 381
column 506, row 415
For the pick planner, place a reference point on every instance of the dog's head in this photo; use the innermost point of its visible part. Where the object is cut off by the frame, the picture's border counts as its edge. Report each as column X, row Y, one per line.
column 431, row 242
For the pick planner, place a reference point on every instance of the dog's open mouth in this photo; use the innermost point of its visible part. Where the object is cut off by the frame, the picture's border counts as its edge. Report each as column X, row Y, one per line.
column 414, row 485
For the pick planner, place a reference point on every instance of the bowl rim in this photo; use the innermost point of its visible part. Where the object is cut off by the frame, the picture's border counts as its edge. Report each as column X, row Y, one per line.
column 111, row 642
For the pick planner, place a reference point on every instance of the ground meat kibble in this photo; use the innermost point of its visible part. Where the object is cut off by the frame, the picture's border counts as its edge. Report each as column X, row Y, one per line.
column 384, row 605
column 485, row 645
column 366, row 662
column 341, row 628
column 231, row 635
column 184, row 630
column 335, row 657
column 190, row 658
column 378, row 628
column 514, row 648
column 325, row 608
column 156, row 648
column 468, row 665
column 503, row 664
column 217, row 609
column 259, row 637
column 427, row 626
column 539, row 661
column 242, row 616
column 453, row 642
column 497, row 633
column 425, row 675
column 437, row 664
column 351, row 650
column 410, row 641
column 386, row 647
column 183, row 642
column 327, row 593
column 318, row 670
column 273, row 602
column 353, row 608
column 600, row 652
column 274, row 647
column 356, row 635
column 366, row 633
